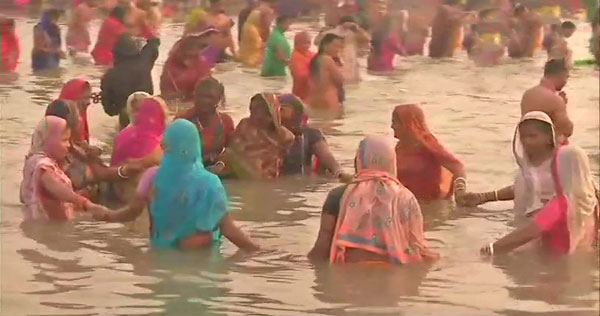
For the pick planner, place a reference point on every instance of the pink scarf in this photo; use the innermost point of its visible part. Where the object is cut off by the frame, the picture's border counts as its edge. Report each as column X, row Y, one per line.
column 377, row 214
column 38, row 204
column 144, row 136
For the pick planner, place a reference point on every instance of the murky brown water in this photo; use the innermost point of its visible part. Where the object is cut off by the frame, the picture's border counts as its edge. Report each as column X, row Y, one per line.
column 89, row 268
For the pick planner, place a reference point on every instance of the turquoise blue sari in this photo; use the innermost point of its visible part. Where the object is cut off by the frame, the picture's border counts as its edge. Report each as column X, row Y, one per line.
column 188, row 199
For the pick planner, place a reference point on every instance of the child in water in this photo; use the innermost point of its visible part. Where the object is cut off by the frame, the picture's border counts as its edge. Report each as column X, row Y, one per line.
column 560, row 48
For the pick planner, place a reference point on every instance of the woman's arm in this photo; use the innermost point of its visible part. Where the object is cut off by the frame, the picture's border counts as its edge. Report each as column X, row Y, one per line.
column 125, row 214
column 281, row 55
column 60, row 190
column 236, row 235
column 513, row 240
column 150, row 160
column 321, row 150
column 476, row 199
column 322, row 247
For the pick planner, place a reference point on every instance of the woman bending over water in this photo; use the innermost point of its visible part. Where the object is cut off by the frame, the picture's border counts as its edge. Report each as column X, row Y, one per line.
column 533, row 147
column 425, row 167
column 46, row 190
column 187, row 204
column 374, row 218
column 567, row 222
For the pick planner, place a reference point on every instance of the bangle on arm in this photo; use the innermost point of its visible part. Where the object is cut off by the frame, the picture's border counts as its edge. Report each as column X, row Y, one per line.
column 460, row 184
column 120, row 172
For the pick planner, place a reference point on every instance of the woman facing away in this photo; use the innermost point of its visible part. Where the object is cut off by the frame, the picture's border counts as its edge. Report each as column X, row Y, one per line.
column 78, row 35
column 215, row 127
column 374, row 218
column 187, row 204
column 425, row 167
column 47, row 42
column 111, row 30
column 386, row 44
column 259, row 143
column 10, row 48
column 534, row 144
column 327, row 76
column 570, row 220
column 46, row 190
column 252, row 44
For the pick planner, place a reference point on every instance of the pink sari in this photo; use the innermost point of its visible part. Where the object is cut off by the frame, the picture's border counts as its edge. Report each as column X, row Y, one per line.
column 570, row 220
column 38, row 202
column 144, row 135
column 377, row 214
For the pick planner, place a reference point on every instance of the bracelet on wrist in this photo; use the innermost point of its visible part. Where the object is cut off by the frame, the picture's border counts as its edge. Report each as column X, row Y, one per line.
column 120, row 172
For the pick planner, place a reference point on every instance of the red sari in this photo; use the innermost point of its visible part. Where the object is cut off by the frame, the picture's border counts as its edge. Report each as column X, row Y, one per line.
column 109, row 34
column 73, row 91
column 9, row 46
column 420, row 168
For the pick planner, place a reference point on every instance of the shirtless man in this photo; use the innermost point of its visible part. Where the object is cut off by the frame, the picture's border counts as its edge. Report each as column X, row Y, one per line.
column 528, row 33
column 560, row 48
column 217, row 18
column 78, row 35
column 549, row 98
column 327, row 76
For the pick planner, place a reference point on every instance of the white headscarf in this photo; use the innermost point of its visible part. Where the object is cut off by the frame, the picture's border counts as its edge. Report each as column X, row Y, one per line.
column 137, row 97
column 575, row 179
column 533, row 185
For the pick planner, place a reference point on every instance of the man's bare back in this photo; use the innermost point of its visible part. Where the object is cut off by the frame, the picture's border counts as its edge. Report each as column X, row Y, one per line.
column 541, row 98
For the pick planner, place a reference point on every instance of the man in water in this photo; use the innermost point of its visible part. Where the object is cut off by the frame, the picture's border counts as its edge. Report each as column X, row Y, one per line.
column 560, row 47
column 528, row 33
column 549, row 98
column 327, row 77
column 447, row 29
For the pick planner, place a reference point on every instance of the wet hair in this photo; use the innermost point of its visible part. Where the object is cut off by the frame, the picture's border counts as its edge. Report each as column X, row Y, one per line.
column 347, row 19
column 568, row 25
column 119, row 13
column 327, row 39
column 283, row 18
column 555, row 67
column 519, row 9
column 541, row 126
column 209, row 83
column 59, row 108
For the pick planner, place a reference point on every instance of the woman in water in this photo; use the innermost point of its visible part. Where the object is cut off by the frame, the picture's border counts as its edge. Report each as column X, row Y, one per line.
column 139, row 143
column 425, row 167
column 187, row 204
column 310, row 149
column 252, row 45
column 47, row 51
column 534, row 144
column 110, row 32
column 10, row 48
column 133, row 104
column 300, row 64
column 375, row 218
column 78, row 35
column 191, row 59
column 215, row 127
column 259, row 143
column 386, row 43
column 83, row 164
column 327, row 76
column 447, row 30
column 46, row 190
column 569, row 221
column 79, row 91
column 131, row 72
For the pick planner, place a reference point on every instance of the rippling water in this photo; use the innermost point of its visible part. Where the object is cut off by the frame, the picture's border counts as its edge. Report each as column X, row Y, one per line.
column 89, row 268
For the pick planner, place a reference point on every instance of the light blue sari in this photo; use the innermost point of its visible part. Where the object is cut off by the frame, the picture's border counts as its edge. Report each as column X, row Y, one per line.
column 188, row 198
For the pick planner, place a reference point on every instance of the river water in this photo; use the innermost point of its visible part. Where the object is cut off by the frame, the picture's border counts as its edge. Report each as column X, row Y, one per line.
column 90, row 268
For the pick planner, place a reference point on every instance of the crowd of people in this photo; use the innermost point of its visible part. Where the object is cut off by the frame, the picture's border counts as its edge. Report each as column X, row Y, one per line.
column 172, row 166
